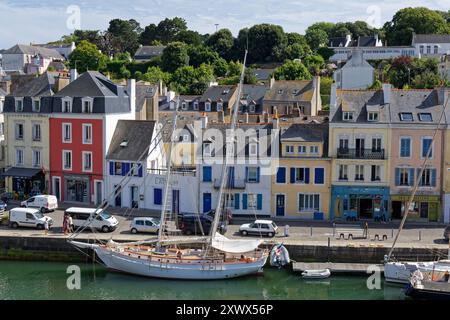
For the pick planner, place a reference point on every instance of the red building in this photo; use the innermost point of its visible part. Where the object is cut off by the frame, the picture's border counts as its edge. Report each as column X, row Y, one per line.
column 84, row 117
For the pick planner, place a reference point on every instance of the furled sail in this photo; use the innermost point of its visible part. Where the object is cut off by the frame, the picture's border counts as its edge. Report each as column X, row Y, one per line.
column 224, row 244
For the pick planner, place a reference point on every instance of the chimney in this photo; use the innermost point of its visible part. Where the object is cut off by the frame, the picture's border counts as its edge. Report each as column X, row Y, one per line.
column 160, row 87
column 266, row 117
column 275, row 123
column 73, row 75
column 221, row 117
column 333, row 96
column 131, row 87
column 204, row 119
column 387, row 92
column 318, row 99
column 246, row 117
column 170, row 95
column 272, row 82
column 61, row 82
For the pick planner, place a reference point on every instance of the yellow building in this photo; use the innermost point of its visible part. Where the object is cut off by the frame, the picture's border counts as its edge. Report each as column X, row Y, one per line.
column 301, row 179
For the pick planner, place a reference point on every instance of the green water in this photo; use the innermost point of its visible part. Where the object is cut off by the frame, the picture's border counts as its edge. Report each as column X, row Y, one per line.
column 47, row 280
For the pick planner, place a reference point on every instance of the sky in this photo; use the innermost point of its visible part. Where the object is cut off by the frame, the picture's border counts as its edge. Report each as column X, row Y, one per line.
column 31, row 21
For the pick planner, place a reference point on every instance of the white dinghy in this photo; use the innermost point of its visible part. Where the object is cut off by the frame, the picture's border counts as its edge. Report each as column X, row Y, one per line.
column 316, row 274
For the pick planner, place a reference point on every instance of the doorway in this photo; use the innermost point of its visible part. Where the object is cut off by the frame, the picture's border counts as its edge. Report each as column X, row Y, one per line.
column 365, row 208
column 176, row 201
column 206, row 202
column 57, row 187
column 98, row 193
column 280, row 201
column 424, row 210
column 359, row 146
column 397, row 207
column 118, row 198
column 134, row 197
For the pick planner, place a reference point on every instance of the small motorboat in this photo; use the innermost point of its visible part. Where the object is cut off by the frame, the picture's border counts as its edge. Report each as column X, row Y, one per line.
column 316, row 274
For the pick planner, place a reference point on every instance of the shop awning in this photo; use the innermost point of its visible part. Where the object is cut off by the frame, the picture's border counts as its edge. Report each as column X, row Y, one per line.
column 24, row 173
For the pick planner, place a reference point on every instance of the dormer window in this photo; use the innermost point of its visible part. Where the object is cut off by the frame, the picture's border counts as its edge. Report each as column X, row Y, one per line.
column 183, row 105
column 425, row 117
column 219, row 106
column 251, row 108
column 36, row 105
column 295, row 91
column 195, row 105
column 207, row 149
column 185, row 138
column 87, row 105
column 373, row 116
column 207, row 106
column 253, row 149
column 406, row 116
column 280, row 91
column 67, row 105
column 347, row 116
column 19, row 104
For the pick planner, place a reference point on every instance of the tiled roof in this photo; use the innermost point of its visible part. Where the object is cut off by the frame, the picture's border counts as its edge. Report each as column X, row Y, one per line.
column 214, row 93
column 432, row 38
column 33, row 50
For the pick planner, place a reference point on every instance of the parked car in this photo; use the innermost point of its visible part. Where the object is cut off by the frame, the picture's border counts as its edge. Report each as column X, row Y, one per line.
column 259, row 227
column 28, row 217
column 92, row 218
column 145, row 224
column 190, row 223
column 43, row 202
column 447, row 233
column 3, row 206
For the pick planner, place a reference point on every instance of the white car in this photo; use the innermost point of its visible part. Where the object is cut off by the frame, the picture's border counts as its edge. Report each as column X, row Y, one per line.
column 259, row 227
column 44, row 203
column 145, row 224
column 28, row 217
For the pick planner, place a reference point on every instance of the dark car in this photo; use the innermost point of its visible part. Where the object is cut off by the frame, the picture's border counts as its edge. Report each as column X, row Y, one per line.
column 190, row 224
column 447, row 233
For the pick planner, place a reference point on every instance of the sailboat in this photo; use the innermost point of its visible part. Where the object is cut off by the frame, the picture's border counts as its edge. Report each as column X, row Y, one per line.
column 401, row 271
column 192, row 258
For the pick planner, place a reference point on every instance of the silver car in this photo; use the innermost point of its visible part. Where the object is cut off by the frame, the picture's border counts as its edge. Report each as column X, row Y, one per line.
column 145, row 224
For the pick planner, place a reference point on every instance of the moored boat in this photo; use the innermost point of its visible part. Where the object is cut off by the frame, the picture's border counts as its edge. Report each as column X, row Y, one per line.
column 431, row 285
column 316, row 274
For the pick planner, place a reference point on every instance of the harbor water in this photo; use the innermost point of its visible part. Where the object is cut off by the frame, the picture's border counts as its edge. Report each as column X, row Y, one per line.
column 47, row 280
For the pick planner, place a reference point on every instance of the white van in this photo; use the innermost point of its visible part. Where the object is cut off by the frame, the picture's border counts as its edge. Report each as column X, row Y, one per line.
column 28, row 217
column 43, row 202
column 92, row 218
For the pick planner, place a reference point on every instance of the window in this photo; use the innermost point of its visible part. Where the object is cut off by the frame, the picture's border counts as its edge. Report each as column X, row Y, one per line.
column 219, row 106
column 195, row 105
column 207, row 149
column 319, row 176
column 302, row 149
column 343, row 170
column 184, row 106
column 157, row 196
column 252, row 174
column 36, row 105
column 314, row 149
column 376, row 144
column 186, row 138
column 375, row 173
column 19, row 157
column 343, row 144
column 67, row 132
column 87, row 105
column 406, row 116
column 67, row 105
column 347, row 116
column 359, row 172
column 118, row 168
column 253, row 149
column 207, row 174
column 36, row 158
column 421, row 49
column 428, row 49
column 252, row 201
column 207, row 106
column 301, row 175
column 425, row 180
column 36, row 132
column 19, row 104
column 87, row 161
column 426, row 146
column 229, row 200
column 19, row 131
column 251, row 108
column 67, row 160
column 289, row 149
column 405, row 147
column 373, row 116
column 87, row 133
column 435, row 49
column 135, row 169
column 425, row 117
column 281, row 175
column 308, row 202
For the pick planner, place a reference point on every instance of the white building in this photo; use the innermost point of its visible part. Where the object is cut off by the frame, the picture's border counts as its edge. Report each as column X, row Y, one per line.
column 431, row 45
column 357, row 73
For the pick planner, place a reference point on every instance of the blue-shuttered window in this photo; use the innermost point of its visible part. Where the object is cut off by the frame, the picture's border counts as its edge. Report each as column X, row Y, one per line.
column 236, row 201
column 292, row 175
column 426, row 144
column 428, row 178
column 252, row 174
column 111, row 168
column 404, row 176
column 207, row 174
column 157, row 196
column 259, row 202
column 244, row 201
column 319, row 175
column 126, row 168
column 405, row 147
column 140, row 173
column 300, row 175
column 281, row 175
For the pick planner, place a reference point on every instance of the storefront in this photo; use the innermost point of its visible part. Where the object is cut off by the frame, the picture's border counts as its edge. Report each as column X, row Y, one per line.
column 77, row 189
column 24, row 182
column 359, row 203
column 423, row 207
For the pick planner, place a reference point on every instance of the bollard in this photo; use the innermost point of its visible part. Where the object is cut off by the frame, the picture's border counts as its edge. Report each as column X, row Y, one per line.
column 286, row 230
column 328, row 251
column 392, row 233
column 420, row 235
column 311, row 231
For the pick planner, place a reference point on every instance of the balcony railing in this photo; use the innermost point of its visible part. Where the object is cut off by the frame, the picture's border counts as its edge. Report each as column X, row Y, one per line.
column 346, row 153
column 231, row 184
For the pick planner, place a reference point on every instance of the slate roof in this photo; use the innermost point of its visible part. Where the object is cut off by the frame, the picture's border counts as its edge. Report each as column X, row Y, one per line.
column 337, row 42
column 263, row 74
column 90, row 84
column 366, row 41
column 214, row 93
column 307, row 132
column 139, row 135
column 291, row 90
column 144, row 91
column 41, row 86
column 431, row 38
column 33, row 50
column 149, row 52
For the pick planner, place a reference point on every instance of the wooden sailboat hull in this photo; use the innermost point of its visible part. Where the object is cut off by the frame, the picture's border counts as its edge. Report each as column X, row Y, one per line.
column 203, row 270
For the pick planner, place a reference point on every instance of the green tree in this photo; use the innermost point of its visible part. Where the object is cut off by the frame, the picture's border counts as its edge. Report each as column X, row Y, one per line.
column 314, row 63
column 325, row 52
column 265, row 43
column 124, row 35
column 316, row 38
column 399, row 30
column 189, row 37
column 297, row 47
column 155, row 74
column 190, row 80
column 167, row 30
column 220, row 67
column 222, row 42
column 174, row 56
column 87, row 57
column 201, row 54
column 149, row 35
column 292, row 70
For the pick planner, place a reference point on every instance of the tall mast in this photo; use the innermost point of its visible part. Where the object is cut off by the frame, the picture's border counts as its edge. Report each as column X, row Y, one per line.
column 229, row 143
column 417, row 182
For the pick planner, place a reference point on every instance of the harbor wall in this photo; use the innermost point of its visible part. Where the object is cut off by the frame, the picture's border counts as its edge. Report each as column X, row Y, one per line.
column 57, row 249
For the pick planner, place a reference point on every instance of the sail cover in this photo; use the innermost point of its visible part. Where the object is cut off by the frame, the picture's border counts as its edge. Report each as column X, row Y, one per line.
column 234, row 245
